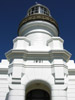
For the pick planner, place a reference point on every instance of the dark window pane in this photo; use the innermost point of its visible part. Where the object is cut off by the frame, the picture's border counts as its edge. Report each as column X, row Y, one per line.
column 37, row 95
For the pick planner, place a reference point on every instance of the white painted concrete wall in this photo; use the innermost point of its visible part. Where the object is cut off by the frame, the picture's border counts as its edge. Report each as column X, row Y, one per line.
column 38, row 71
column 4, row 79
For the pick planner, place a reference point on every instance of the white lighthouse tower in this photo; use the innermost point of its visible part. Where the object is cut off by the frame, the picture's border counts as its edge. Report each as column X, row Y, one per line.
column 38, row 68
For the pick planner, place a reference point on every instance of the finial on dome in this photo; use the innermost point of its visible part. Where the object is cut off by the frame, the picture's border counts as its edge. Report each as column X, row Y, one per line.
column 36, row 3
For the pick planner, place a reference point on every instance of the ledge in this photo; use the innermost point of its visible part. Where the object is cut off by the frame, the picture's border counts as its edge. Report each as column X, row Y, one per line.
column 48, row 55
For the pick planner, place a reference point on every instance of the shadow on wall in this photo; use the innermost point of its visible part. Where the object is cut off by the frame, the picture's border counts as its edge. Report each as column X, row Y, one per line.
column 7, row 96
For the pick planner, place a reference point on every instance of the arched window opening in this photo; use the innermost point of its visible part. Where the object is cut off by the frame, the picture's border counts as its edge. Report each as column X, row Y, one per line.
column 37, row 94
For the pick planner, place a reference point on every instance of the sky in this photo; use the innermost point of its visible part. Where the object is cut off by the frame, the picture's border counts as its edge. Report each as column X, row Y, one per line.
column 13, row 11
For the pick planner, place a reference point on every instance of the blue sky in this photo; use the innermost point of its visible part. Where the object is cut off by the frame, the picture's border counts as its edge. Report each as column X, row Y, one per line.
column 13, row 11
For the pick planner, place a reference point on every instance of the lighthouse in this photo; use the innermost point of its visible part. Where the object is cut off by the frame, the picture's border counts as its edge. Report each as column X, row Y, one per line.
column 38, row 66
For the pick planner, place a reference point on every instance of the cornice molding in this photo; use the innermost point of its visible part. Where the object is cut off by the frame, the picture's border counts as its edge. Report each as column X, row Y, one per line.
column 52, row 54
